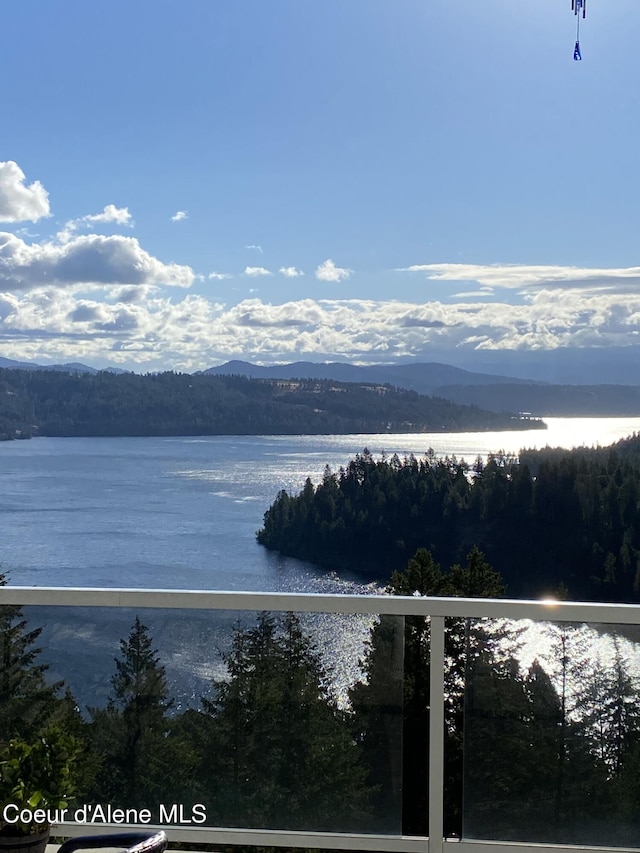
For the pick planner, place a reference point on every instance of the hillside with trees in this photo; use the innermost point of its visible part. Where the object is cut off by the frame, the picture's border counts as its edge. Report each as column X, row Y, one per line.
column 489, row 391
column 554, row 519
column 108, row 404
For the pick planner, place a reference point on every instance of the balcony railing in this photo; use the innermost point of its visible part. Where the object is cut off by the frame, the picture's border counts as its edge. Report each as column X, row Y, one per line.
column 83, row 628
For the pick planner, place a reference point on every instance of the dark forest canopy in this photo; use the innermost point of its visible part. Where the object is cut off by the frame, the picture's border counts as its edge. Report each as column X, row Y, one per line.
column 107, row 404
column 557, row 519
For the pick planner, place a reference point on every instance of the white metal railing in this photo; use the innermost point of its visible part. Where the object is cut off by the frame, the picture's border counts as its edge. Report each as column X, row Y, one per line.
column 435, row 608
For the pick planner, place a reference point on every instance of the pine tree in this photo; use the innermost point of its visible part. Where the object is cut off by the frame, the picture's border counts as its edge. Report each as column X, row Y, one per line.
column 377, row 704
column 496, row 747
column 27, row 702
column 282, row 751
column 424, row 577
column 578, row 789
column 130, row 733
column 609, row 710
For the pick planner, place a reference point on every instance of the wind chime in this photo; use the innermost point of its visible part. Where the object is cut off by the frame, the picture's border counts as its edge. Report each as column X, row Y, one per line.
column 578, row 6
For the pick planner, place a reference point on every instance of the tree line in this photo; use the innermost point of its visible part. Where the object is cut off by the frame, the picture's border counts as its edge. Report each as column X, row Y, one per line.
column 552, row 519
column 107, row 404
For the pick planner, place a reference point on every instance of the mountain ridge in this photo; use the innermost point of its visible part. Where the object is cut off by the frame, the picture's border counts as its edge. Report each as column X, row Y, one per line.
column 423, row 377
column 495, row 392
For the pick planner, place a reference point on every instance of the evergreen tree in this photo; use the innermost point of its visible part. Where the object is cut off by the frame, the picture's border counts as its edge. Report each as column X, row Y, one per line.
column 623, row 713
column 609, row 710
column 30, row 705
column 282, row 751
column 130, row 734
column 424, row 577
column 497, row 747
column 377, row 704
column 578, row 790
column 608, row 715
column 512, row 737
column 27, row 702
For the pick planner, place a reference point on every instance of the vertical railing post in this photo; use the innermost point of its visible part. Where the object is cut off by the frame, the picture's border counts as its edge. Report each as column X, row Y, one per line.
column 436, row 736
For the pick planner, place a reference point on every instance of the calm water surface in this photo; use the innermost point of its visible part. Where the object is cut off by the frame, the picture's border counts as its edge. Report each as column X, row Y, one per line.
column 182, row 513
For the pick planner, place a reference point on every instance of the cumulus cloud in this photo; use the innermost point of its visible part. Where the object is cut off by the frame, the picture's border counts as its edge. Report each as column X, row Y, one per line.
column 86, row 313
column 256, row 271
column 49, row 313
column 84, row 260
column 179, row 215
column 220, row 276
column 328, row 271
column 255, row 247
column 257, row 314
column 129, row 294
column 110, row 213
column 520, row 276
column 99, row 297
column 369, row 329
column 290, row 272
column 20, row 202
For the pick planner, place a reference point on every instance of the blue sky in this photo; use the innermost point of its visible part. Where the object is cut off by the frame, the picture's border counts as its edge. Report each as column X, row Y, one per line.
column 185, row 183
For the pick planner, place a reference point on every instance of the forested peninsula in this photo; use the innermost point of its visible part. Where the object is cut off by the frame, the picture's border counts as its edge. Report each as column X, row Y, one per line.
column 129, row 404
column 550, row 520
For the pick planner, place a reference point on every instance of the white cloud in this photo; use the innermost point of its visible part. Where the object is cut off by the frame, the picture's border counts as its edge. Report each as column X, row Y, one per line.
column 256, row 271
column 517, row 276
column 97, row 297
column 131, row 293
column 290, row 272
column 254, row 313
column 469, row 294
column 89, row 259
column 328, row 271
column 180, row 215
column 19, row 202
column 51, row 323
column 220, row 276
column 255, row 247
column 111, row 213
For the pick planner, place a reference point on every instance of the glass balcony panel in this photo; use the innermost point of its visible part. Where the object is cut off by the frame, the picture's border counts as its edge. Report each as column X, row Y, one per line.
column 552, row 733
column 216, row 718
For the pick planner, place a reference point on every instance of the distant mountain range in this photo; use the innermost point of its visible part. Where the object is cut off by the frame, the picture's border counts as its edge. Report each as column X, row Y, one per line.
column 424, row 378
column 68, row 367
column 564, row 366
column 493, row 391
column 488, row 391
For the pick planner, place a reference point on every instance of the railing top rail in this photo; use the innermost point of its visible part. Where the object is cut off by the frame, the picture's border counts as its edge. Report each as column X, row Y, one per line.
column 546, row 610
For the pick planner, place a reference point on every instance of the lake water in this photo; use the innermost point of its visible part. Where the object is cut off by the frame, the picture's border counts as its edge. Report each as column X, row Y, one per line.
column 182, row 513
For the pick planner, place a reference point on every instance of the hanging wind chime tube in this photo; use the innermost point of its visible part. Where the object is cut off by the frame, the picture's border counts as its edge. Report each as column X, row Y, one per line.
column 578, row 6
